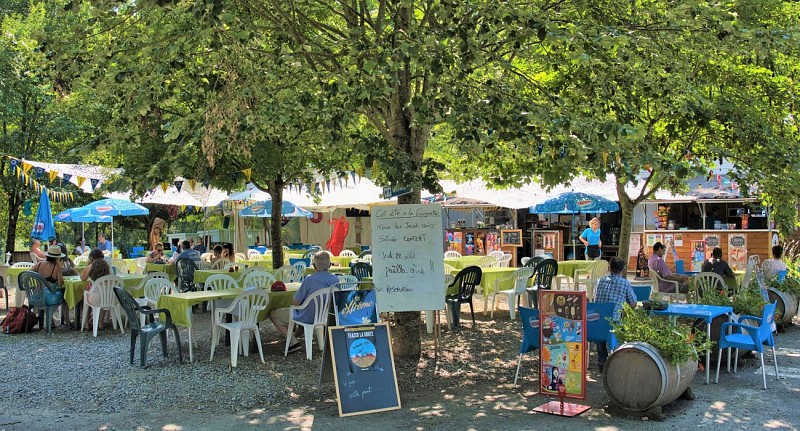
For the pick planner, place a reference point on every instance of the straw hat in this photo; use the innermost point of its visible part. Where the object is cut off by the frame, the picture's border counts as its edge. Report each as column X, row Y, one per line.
column 55, row 251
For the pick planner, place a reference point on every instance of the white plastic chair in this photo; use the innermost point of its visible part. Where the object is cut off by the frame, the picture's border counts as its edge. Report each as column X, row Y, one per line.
column 153, row 289
column 106, row 301
column 203, row 265
column 451, row 254
column 219, row 282
column 589, row 277
column 670, row 296
column 524, row 260
column 81, row 260
column 520, row 278
column 367, row 258
column 299, row 270
column 261, row 279
column 497, row 254
column 24, row 265
column 243, row 273
column 487, row 262
column 285, row 273
column 246, row 307
column 120, row 267
column 449, row 269
column 347, row 253
column 347, row 282
column 206, row 257
column 505, row 260
column 253, row 254
column 149, row 277
column 240, row 256
column 141, row 265
column 320, row 300
column 220, row 263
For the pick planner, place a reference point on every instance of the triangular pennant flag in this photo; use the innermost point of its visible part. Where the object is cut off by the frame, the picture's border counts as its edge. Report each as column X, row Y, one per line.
column 353, row 175
column 247, row 172
column 340, row 183
column 67, row 177
column 183, row 208
column 94, row 182
column 80, row 180
column 192, row 183
column 39, row 172
column 178, row 185
column 14, row 163
column 18, row 172
column 26, row 167
column 53, row 175
column 205, row 183
column 164, row 186
column 328, row 184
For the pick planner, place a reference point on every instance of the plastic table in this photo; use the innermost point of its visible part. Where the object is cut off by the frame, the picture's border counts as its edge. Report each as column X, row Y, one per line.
column 697, row 311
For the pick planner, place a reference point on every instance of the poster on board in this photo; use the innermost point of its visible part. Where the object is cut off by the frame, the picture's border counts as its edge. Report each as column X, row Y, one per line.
column 653, row 238
column 363, row 369
column 562, row 316
column 711, row 240
column 355, row 307
column 635, row 244
column 737, row 251
column 698, row 255
column 408, row 269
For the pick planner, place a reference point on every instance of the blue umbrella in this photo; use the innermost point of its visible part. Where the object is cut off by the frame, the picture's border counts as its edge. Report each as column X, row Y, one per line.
column 574, row 203
column 43, row 227
column 68, row 215
column 110, row 208
column 264, row 209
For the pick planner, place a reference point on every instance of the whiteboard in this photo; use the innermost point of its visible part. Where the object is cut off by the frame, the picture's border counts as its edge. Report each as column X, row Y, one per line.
column 407, row 257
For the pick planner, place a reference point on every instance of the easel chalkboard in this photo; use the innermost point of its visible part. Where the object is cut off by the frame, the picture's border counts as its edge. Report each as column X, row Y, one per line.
column 511, row 237
column 363, row 369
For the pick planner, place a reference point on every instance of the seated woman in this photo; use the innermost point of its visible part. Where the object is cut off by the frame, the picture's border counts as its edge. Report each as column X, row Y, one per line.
column 97, row 267
column 50, row 269
column 156, row 255
column 716, row 264
column 37, row 255
column 775, row 265
column 218, row 250
column 228, row 252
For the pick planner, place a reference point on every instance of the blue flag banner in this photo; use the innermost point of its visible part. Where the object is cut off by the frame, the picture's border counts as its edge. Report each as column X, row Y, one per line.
column 43, row 227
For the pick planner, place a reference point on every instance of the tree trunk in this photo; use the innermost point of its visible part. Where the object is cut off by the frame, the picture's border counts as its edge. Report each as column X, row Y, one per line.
column 406, row 340
column 275, row 191
column 626, row 207
column 15, row 199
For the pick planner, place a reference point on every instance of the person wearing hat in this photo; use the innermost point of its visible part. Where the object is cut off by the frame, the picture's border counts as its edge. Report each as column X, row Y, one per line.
column 50, row 269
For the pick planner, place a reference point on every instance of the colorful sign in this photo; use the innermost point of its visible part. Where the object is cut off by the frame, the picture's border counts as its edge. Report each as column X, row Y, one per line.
column 737, row 250
column 711, row 241
column 698, row 255
column 562, row 316
column 355, row 307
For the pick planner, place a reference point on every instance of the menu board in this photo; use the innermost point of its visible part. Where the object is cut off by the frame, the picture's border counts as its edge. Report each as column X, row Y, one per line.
column 737, row 250
column 512, row 237
column 408, row 269
column 712, row 241
column 562, row 316
column 363, row 369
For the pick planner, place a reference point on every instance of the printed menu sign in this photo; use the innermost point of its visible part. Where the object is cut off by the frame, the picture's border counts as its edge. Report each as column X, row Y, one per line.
column 711, row 242
column 408, row 270
column 737, row 250
column 562, row 316
column 363, row 369
column 355, row 307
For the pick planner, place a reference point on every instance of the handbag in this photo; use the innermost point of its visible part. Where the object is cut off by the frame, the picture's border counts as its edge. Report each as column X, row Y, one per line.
column 593, row 251
column 17, row 319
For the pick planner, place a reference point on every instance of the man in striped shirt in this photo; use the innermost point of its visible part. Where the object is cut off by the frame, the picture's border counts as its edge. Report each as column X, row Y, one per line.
column 614, row 288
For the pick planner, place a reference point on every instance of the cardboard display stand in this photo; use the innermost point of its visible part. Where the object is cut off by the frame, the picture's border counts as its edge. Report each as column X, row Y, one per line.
column 562, row 365
column 363, row 369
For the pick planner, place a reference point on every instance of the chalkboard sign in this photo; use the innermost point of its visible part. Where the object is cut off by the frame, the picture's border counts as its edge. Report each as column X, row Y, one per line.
column 511, row 238
column 363, row 369
column 408, row 268
column 562, row 316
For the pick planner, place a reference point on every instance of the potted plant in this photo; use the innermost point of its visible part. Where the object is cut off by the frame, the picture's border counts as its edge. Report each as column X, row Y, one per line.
column 655, row 362
column 787, row 293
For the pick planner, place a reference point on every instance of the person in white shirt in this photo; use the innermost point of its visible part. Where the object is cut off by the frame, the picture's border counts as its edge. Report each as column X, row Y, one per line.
column 775, row 265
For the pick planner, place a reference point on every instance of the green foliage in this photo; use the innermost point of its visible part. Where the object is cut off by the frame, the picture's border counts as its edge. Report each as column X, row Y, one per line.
column 674, row 341
column 748, row 300
column 712, row 297
column 790, row 285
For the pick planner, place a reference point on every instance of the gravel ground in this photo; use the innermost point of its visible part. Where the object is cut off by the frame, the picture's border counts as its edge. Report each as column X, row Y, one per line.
column 71, row 380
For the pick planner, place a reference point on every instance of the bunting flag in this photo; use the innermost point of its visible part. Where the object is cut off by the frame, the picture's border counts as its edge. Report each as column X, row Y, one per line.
column 205, row 182
column 28, row 181
column 53, row 176
column 39, row 172
column 80, row 180
column 94, row 182
column 67, row 177
column 192, row 184
column 247, row 172
column 183, row 208
column 164, row 186
column 26, row 167
column 14, row 163
column 178, row 185
column 328, row 184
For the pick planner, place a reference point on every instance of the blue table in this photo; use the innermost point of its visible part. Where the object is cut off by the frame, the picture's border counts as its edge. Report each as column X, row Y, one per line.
column 697, row 311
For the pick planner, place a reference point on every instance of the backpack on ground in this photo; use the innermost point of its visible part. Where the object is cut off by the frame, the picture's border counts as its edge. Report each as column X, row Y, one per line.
column 17, row 319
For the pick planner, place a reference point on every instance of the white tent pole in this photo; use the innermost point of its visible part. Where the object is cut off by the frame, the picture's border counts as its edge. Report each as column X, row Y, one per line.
column 112, row 237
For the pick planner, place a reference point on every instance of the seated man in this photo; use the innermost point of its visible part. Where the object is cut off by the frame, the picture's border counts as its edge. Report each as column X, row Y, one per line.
column 775, row 265
column 103, row 244
column 656, row 263
column 199, row 246
column 186, row 252
column 615, row 288
column 717, row 265
column 320, row 279
column 37, row 255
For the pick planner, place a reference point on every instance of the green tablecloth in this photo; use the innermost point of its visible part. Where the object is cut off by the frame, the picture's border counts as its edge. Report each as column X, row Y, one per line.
column 568, row 267
column 201, row 275
column 343, row 261
column 463, row 261
column 180, row 304
column 74, row 287
column 339, row 270
column 162, row 267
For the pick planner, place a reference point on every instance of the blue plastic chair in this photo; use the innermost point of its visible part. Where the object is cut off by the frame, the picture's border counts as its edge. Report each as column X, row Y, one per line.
column 782, row 275
column 642, row 292
column 598, row 326
column 531, row 330
column 679, row 268
column 137, row 252
column 754, row 339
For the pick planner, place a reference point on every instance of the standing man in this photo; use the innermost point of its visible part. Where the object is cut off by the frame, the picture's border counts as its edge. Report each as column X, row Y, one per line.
column 656, row 263
column 321, row 279
column 614, row 288
column 102, row 243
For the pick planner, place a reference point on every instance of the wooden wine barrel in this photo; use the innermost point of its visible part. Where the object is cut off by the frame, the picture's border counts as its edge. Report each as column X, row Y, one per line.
column 787, row 305
column 637, row 378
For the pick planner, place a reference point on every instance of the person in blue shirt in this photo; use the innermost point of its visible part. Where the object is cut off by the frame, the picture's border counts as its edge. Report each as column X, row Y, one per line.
column 591, row 239
column 320, row 279
column 187, row 252
column 102, row 243
column 614, row 288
